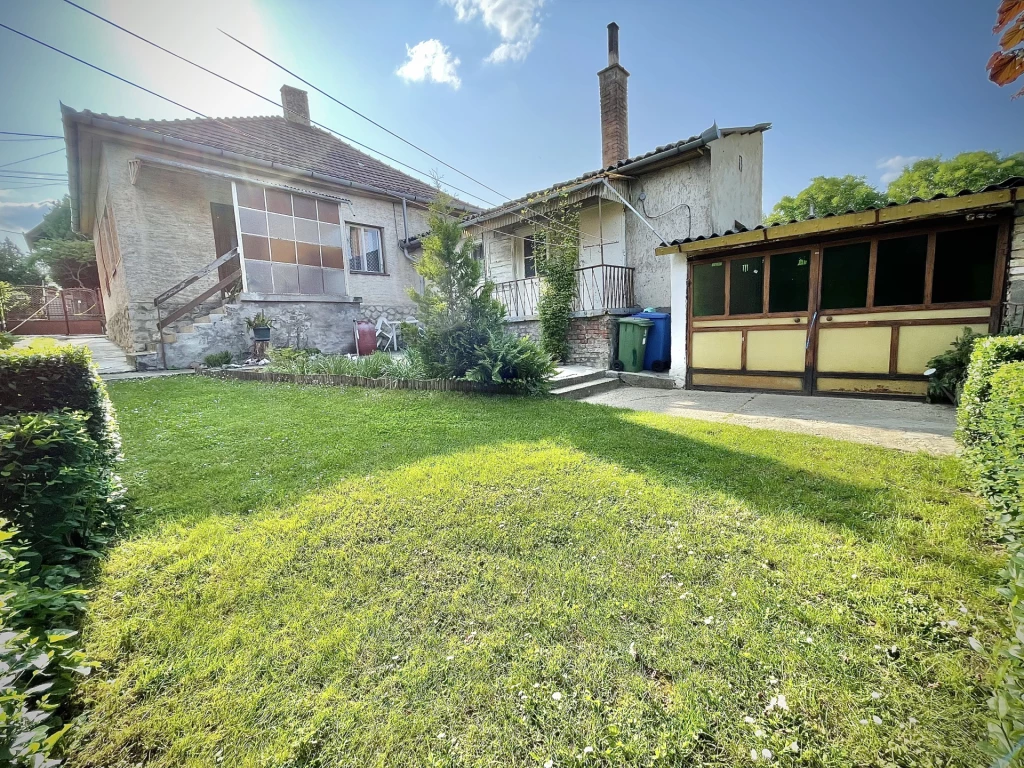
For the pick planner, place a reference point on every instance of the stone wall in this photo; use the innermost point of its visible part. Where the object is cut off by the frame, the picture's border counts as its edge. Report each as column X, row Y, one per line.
column 1014, row 314
column 591, row 339
column 395, row 313
column 306, row 322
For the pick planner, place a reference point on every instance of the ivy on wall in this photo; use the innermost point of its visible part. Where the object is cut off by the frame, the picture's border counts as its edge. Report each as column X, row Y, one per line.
column 556, row 252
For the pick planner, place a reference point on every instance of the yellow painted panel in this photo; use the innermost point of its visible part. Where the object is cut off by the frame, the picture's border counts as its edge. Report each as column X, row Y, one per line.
column 776, row 350
column 738, row 381
column 910, row 314
column 854, row 350
column 872, row 386
column 920, row 343
column 717, row 350
column 739, row 238
column 756, row 321
column 946, row 205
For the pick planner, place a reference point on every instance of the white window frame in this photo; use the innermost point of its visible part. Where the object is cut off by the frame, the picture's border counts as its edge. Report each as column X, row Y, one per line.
column 362, row 239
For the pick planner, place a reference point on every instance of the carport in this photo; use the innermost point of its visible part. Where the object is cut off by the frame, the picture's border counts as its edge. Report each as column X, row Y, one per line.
column 849, row 304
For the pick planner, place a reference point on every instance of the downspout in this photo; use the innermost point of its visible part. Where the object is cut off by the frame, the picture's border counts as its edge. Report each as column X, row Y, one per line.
column 405, row 225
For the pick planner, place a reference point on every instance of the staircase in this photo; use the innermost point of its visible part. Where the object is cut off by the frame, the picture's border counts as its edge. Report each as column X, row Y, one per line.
column 577, row 382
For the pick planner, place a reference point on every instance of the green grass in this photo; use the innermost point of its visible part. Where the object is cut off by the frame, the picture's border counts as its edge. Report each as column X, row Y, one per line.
column 370, row 578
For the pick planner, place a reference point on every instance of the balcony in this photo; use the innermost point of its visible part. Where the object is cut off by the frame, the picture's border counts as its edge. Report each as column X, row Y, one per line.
column 599, row 288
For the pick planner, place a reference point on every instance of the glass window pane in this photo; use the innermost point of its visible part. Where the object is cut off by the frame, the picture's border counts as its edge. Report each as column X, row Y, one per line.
column 282, row 251
column 709, row 289
column 257, row 277
column 306, row 231
column 330, row 234
column 281, row 227
column 844, row 276
column 255, row 248
column 332, row 257
column 899, row 271
column 328, row 212
column 252, row 222
column 308, row 254
column 374, row 258
column 789, row 281
column 305, row 207
column 251, row 196
column 334, row 281
column 965, row 262
column 286, row 278
column 311, row 279
column 746, row 286
column 529, row 263
column 279, row 202
column 355, row 244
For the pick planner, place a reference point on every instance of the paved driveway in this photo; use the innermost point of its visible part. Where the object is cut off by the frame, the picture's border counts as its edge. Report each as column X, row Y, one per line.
column 109, row 357
column 907, row 426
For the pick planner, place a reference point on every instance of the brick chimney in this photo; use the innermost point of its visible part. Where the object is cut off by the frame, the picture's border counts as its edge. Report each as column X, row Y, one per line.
column 614, row 110
column 296, row 105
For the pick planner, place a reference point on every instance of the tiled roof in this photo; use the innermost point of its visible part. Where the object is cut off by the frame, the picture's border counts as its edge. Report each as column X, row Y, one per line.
column 620, row 166
column 274, row 139
column 1014, row 181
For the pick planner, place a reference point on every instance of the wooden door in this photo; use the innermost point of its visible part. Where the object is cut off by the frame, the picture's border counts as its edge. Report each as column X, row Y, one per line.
column 225, row 237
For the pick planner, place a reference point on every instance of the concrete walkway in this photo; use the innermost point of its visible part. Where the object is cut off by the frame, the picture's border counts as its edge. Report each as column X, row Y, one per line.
column 906, row 426
column 109, row 357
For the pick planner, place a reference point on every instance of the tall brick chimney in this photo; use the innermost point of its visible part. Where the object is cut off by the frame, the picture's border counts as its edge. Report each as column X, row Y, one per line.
column 614, row 110
column 296, row 105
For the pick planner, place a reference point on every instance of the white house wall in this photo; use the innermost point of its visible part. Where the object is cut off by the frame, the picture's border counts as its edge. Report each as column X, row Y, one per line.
column 736, row 183
column 685, row 183
column 609, row 225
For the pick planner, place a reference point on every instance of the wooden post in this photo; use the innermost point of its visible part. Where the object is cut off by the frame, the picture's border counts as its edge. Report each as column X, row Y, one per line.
column 64, row 306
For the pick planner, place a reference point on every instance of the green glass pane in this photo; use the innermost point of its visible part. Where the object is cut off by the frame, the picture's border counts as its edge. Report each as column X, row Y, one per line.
column 709, row 289
column 746, row 285
column 844, row 276
column 965, row 260
column 789, row 281
column 899, row 271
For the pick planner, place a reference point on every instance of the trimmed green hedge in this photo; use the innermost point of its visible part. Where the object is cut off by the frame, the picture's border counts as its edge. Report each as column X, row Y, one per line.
column 58, row 378
column 991, row 430
column 60, row 502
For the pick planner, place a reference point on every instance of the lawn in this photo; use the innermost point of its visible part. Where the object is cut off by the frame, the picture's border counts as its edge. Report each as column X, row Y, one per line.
column 324, row 577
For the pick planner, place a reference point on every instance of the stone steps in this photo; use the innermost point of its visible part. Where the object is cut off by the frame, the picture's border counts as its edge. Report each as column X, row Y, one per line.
column 591, row 386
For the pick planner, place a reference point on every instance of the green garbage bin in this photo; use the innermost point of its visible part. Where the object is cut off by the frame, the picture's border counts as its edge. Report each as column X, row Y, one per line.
column 632, row 341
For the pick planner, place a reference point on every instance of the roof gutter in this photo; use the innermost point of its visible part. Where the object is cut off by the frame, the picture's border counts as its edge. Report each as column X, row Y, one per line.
column 158, row 138
column 709, row 135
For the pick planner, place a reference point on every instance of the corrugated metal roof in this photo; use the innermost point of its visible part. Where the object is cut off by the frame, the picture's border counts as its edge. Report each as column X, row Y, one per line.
column 1012, row 182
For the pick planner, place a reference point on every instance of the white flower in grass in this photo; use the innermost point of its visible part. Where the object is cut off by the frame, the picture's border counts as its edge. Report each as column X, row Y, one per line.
column 556, row 696
column 773, row 681
column 587, row 750
column 767, row 754
column 793, row 747
column 449, row 658
column 748, row 719
column 777, row 702
column 913, row 721
column 709, row 619
column 549, row 764
column 442, row 735
column 734, row 593
column 753, row 755
column 809, row 640
column 876, row 719
column 863, row 722
column 876, row 695
column 759, row 733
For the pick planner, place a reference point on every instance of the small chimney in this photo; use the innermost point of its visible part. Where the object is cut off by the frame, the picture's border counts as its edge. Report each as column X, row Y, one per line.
column 296, row 105
column 614, row 109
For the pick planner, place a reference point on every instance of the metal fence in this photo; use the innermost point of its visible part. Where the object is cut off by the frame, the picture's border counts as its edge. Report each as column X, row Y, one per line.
column 44, row 309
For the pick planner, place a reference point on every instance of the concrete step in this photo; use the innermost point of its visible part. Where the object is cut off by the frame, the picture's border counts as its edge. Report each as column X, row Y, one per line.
column 569, row 378
column 594, row 386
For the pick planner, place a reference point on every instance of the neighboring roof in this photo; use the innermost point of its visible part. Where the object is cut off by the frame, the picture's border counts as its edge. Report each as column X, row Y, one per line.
column 1003, row 194
column 274, row 140
column 666, row 154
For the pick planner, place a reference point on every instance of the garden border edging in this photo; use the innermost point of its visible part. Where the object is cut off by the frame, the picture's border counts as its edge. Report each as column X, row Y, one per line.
column 344, row 380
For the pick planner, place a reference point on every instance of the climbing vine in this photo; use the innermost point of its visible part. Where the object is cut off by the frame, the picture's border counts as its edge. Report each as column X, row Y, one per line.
column 556, row 254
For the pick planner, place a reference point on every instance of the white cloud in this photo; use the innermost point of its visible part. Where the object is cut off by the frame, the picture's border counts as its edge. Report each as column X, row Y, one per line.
column 23, row 216
column 894, row 166
column 516, row 21
column 430, row 60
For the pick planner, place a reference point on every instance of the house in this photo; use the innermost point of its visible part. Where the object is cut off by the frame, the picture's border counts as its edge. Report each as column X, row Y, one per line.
column 856, row 303
column 631, row 205
column 201, row 224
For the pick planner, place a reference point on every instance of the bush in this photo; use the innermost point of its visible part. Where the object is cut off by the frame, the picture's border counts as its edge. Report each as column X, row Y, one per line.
column 375, row 366
column 507, row 359
column 37, row 380
column 991, row 429
column 6, row 340
column 217, row 359
column 951, row 368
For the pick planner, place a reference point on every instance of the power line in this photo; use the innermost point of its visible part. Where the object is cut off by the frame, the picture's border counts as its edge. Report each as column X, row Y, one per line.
column 36, row 135
column 238, row 85
column 17, row 139
column 36, row 186
column 34, row 157
column 321, row 125
column 31, row 173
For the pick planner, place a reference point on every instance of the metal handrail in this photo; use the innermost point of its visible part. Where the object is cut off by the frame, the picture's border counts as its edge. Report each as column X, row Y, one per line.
column 601, row 286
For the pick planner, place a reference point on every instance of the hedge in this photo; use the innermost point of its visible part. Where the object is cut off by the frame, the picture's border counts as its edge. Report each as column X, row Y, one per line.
column 60, row 502
column 55, row 378
column 991, row 430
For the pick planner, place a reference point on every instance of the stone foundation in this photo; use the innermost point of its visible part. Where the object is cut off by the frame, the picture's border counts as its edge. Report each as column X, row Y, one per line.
column 591, row 339
column 395, row 313
column 1014, row 314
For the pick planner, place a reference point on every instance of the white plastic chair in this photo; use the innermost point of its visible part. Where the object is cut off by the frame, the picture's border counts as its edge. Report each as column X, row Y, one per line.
column 387, row 335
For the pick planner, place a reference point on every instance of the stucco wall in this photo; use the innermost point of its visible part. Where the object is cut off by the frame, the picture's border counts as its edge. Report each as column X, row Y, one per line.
column 390, row 289
column 736, row 185
column 688, row 183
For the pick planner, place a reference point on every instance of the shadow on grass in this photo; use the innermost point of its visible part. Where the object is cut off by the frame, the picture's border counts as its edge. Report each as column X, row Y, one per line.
column 197, row 447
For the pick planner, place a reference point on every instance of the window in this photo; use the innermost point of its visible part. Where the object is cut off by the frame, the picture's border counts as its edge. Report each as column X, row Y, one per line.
column 900, row 271
column 789, row 281
column 365, row 253
column 478, row 251
column 746, row 286
column 709, row 289
column 529, row 261
column 844, row 276
column 965, row 262
column 290, row 243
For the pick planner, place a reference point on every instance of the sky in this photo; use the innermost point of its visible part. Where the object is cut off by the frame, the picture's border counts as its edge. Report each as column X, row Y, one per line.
column 507, row 90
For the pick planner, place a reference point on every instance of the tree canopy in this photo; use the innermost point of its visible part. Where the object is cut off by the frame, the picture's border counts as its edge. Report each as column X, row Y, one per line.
column 15, row 267
column 828, row 194
column 69, row 258
column 924, row 178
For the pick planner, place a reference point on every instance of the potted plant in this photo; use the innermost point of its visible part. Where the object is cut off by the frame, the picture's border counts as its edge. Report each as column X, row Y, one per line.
column 260, row 326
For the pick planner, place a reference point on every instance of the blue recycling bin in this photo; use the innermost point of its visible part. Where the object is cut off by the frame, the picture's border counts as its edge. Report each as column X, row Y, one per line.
column 659, row 346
